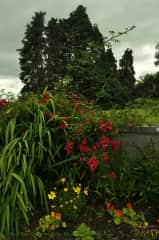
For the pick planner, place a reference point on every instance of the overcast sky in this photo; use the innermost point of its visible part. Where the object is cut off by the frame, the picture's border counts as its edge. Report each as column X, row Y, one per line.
column 107, row 14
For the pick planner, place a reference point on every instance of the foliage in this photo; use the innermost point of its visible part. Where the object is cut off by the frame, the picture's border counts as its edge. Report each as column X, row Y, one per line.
column 73, row 48
column 126, row 75
column 42, row 138
column 49, row 223
column 32, row 58
column 83, row 232
column 137, row 221
column 148, row 86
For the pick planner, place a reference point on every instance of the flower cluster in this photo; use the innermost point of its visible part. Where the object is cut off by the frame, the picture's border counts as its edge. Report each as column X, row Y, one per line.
column 126, row 215
column 105, row 126
column 137, row 221
column 68, row 199
column 49, row 223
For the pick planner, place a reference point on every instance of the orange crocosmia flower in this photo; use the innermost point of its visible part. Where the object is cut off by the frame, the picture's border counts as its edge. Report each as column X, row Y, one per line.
column 58, row 215
column 129, row 205
column 119, row 213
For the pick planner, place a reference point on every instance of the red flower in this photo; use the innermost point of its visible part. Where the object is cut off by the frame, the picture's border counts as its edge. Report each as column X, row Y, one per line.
column 103, row 143
column 119, row 213
column 109, row 207
column 69, row 147
column 44, row 99
column 115, row 144
column 64, row 121
column 105, row 157
column 94, row 147
column 100, row 121
column 105, row 126
column 3, row 102
column 84, row 142
column 92, row 164
column 84, row 148
column 129, row 205
column 63, row 124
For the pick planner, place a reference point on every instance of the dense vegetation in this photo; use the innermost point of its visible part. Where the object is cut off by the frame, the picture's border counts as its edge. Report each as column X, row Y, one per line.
column 61, row 162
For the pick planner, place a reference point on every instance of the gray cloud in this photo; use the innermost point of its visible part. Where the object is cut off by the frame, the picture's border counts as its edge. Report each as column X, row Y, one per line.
column 108, row 14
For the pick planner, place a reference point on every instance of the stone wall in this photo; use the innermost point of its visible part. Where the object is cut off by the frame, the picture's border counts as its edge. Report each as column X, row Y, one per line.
column 136, row 139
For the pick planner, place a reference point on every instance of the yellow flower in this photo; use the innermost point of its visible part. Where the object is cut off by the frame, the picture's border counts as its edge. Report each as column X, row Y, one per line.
column 77, row 190
column 62, row 180
column 74, row 206
column 146, row 224
column 71, row 200
column 85, row 191
column 53, row 206
column 65, row 189
column 61, row 206
column 52, row 195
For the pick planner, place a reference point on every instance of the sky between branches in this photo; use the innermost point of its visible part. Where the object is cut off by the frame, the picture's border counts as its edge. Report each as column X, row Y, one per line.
column 107, row 14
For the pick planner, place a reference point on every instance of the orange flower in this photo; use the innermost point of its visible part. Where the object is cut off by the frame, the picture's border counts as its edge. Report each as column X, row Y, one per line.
column 108, row 206
column 52, row 214
column 58, row 215
column 129, row 205
column 119, row 213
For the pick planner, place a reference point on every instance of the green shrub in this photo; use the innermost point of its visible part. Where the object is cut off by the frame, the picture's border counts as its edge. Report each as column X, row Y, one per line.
column 45, row 137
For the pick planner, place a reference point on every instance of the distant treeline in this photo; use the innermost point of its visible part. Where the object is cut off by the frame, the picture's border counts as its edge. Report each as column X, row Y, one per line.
column 71, row 54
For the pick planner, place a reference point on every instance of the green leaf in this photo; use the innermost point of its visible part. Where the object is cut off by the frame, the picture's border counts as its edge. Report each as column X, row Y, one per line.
column 117, row 220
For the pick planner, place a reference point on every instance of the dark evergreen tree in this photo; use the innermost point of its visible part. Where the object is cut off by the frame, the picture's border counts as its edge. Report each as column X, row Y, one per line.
column 110, row 63
column 32, row 56
column 86, row 47
column 56, row 52
column 127, row 74
column 157, row 55
column 110, row 93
